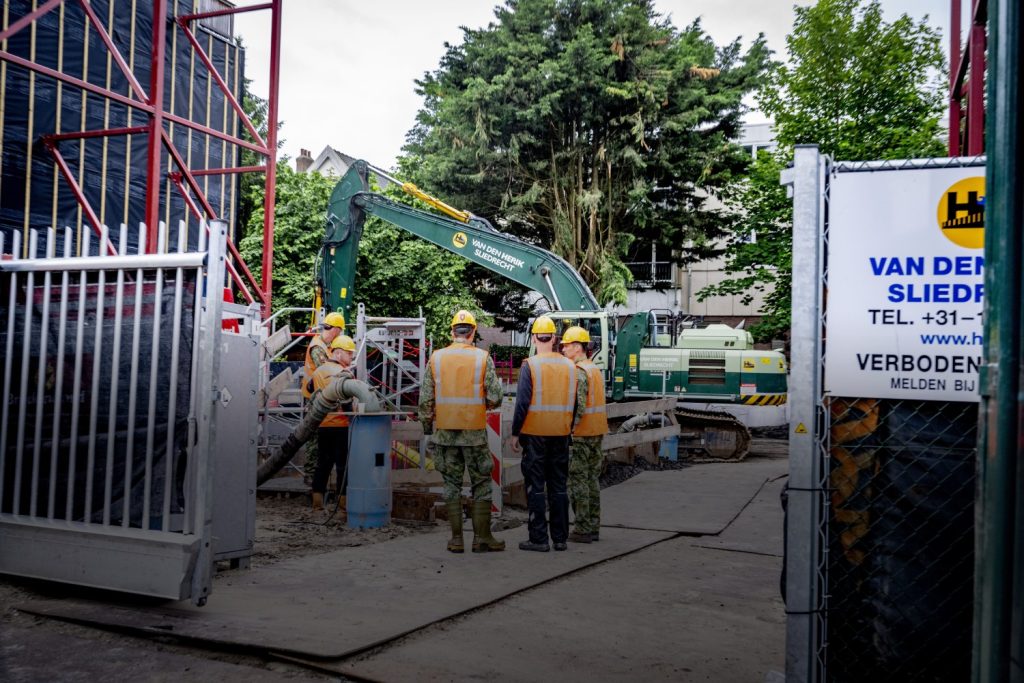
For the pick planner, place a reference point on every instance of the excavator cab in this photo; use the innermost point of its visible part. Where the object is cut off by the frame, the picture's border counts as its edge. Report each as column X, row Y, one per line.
column 602, row 335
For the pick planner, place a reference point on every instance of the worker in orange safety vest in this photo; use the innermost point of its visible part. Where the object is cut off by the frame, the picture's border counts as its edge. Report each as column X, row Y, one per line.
column 548, row 406
column 587, row 456
column 318, row 350
column 459, row 385
column 332, row 436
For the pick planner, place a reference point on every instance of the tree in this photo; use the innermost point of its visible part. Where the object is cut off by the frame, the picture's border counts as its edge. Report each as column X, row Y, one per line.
column 583, row 125
column 859, row 88
column 299, row 218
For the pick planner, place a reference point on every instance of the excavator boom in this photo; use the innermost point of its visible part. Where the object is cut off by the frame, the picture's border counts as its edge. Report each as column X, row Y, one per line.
column 474, row 239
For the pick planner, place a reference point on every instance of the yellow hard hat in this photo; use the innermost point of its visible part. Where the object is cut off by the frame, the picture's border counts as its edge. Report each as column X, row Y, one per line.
column 344, row 342
column 543, row 325
column 463, row 318
column 576, row 334
column 335, row 319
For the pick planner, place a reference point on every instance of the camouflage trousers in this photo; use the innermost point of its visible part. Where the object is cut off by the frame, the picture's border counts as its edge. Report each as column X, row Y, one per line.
column 584, row 489
column 451, row 461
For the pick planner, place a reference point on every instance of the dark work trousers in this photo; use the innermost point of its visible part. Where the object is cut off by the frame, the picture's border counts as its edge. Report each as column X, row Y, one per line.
column 546, row 464
column 332, row 451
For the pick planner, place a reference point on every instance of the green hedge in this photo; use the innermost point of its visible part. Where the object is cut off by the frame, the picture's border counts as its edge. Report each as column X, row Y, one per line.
column 502, row 352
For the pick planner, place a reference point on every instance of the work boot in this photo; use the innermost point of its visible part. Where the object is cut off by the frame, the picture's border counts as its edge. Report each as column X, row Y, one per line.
column 318, row 502
column 537, row 547
column 343, row 506
column 561, row 545
column 455, row 544
column 483, row 541
column 578, row 537
column 595, row 537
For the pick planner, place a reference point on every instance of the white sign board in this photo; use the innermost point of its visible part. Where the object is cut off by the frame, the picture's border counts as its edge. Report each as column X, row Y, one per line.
column 905, row 283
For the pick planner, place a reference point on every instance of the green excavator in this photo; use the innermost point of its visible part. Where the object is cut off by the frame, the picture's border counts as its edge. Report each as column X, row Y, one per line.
column 652, row 355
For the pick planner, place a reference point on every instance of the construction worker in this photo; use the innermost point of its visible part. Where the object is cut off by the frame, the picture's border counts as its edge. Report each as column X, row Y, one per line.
column 587, row 456
column 548, row 406
column 318, row 349
column 332, row 437
column 458, row 387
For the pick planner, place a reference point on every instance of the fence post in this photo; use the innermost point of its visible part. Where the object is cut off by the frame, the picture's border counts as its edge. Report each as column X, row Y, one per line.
column 208, row 391
column 803, row 517
column 999, row 555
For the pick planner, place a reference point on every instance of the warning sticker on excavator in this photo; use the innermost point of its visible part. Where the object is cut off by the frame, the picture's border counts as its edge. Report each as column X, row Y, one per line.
column 632, row 360
column 459, row 239
column 800, row 428
column 748, row 365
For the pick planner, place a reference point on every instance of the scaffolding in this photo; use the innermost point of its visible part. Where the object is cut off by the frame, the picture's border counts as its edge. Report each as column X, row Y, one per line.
column 165, row 161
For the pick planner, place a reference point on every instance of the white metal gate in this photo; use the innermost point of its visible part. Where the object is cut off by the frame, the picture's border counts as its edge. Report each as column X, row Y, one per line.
column 110, row 377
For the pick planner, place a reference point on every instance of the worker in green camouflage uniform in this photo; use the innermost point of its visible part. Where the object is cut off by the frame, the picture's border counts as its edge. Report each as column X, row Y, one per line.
column 458, row 387
column 587, row 456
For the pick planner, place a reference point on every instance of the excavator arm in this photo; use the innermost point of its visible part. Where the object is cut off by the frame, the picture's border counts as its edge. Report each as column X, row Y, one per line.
column 469, row 236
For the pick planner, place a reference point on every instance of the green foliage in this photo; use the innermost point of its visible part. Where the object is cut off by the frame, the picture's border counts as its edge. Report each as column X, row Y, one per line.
column 859, row 88
column 298, row 231
column 583, row 125
column 760, row 247
column 401, row 275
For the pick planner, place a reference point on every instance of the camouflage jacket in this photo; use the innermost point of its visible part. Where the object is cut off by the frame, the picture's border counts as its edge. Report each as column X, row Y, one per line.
column 457, row 437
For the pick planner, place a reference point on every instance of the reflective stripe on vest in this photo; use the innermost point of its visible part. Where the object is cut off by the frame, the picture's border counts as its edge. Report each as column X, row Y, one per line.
column 324, row 375
column 554, row 393
column 595, row 418
column 459, row 401
column 310, row 365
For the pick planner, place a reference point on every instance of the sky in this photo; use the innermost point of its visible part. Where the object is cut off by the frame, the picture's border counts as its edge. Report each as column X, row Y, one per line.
column 348, row 67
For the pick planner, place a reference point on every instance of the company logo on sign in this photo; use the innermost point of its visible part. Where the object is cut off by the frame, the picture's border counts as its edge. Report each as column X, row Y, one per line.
column 961, row 213
column 459, row 240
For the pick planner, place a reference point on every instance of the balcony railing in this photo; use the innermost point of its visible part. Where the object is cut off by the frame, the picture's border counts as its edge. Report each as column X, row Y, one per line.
column 650, row 273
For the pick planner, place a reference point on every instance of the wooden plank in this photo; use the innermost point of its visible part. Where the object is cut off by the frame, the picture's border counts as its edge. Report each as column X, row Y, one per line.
column 626, row 439
column 630, row 408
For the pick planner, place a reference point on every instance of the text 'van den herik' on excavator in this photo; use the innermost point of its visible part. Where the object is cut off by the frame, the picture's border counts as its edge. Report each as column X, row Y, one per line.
column 652, row 354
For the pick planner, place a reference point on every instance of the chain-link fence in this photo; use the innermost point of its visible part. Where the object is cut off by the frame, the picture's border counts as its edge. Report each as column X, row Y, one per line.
column 880, row 523
column 899, row 561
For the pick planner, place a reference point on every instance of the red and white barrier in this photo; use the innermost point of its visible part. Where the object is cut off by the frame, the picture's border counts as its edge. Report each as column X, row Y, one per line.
column 494, row 446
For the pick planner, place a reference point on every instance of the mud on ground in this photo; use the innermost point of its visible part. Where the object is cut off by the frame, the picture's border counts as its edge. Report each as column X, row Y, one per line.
column 286, row 528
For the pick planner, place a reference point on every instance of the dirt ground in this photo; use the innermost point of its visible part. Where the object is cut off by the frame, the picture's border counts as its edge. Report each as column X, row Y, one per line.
column 286, row 528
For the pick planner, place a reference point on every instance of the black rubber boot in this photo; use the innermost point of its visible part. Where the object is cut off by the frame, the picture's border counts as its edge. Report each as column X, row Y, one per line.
column 455, row 544
column 483, row 541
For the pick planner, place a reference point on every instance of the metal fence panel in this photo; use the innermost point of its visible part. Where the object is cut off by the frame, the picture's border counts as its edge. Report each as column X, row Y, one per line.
column 880, row 538
column 104, row 445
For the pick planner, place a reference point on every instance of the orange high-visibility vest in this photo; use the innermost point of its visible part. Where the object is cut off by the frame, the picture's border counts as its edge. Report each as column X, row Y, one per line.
column 310, row 365
column 554, row 394
column 595, row 418
column 459, row 401
column 324, row 375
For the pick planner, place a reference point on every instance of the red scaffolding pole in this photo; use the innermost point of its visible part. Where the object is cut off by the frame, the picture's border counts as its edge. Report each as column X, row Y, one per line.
column 967, row 81
column 152, row 103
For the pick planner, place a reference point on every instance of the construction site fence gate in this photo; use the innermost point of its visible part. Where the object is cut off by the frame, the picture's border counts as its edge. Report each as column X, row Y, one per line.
column 110, row 374
column 879, row 551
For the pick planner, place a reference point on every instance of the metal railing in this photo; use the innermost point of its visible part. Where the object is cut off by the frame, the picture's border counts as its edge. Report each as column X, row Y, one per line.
column 110, row 369
column 649, row 273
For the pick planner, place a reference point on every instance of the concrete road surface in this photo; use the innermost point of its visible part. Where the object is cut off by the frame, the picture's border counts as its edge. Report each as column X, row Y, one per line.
column 682, row 586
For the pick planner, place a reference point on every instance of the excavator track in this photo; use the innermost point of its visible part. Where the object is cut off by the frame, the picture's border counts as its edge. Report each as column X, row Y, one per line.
column 711, row 435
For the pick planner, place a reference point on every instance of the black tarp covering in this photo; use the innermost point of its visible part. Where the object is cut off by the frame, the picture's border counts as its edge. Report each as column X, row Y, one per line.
column 65, row 468
column 112, row 170
column 901, row 541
